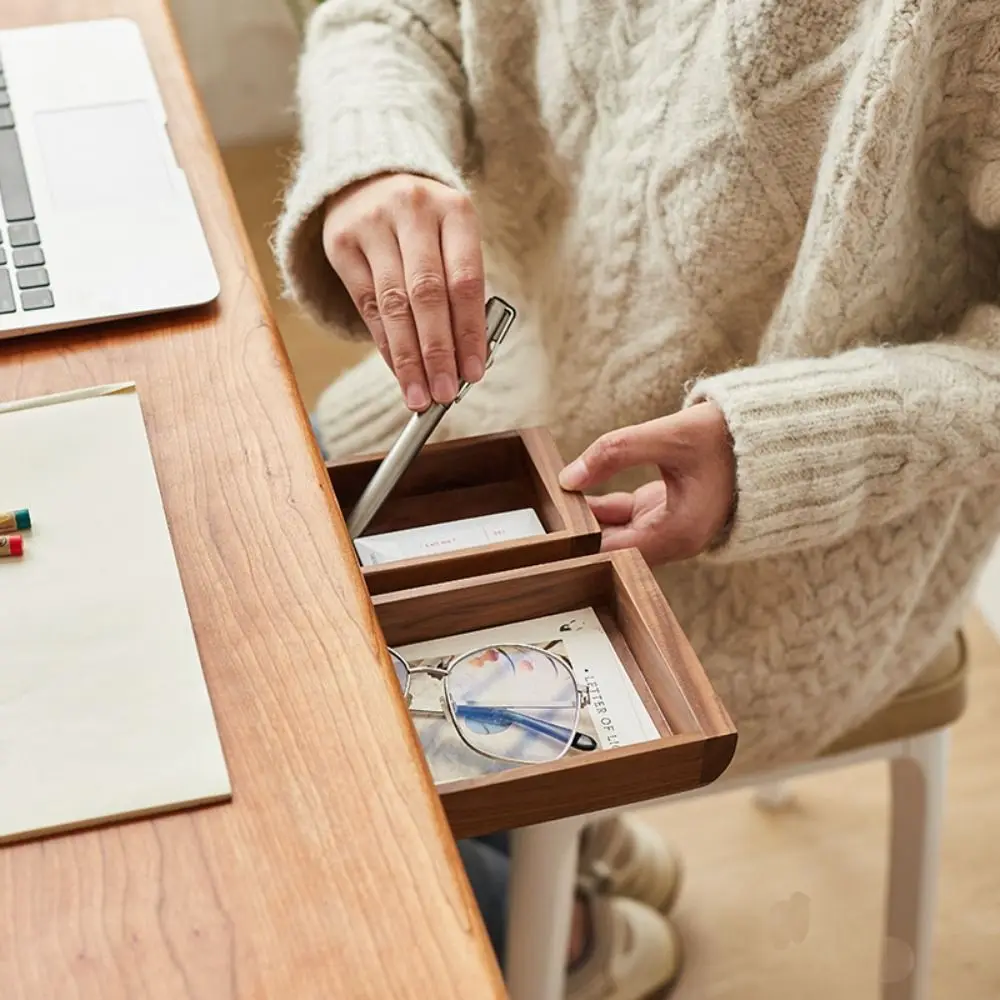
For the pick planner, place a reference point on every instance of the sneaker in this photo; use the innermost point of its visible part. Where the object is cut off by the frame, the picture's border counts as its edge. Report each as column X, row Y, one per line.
column 633, row 953
column 621, row 856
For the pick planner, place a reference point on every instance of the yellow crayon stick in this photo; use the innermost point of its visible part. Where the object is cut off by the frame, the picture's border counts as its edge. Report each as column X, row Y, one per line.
column 14, row 520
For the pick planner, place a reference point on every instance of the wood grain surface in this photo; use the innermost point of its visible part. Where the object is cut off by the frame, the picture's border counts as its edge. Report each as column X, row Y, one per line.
column 332, row 873
column 570, row 510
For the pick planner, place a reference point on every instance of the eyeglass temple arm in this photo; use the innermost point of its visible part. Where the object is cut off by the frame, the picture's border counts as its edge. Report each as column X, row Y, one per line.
column 578, row 740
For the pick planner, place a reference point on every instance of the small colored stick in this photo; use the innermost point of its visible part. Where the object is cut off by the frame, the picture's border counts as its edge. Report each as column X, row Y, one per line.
column 14, row 520
column 11, row 545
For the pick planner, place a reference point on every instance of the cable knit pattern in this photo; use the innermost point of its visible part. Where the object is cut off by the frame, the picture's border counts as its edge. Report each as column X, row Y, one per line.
column 786, row 206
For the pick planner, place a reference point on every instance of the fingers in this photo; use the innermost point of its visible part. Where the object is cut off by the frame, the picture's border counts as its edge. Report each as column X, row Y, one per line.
column 651, row 532
column 408, row 251
column 613, row 539
column 420, row 248
column 356, row 274
column 689, row 508
column 462, row 253
column 642, row 444
column 612, row 509
column 614, row 513
column 665, row 521
column 381, row 248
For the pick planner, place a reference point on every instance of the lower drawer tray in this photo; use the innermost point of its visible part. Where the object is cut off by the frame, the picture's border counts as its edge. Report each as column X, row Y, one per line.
column 694, row 738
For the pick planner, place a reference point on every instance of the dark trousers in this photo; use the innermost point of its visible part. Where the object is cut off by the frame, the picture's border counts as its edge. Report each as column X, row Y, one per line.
column 487, row 864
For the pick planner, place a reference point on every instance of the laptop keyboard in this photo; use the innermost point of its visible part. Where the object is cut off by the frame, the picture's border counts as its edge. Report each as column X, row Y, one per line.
column 24, row 279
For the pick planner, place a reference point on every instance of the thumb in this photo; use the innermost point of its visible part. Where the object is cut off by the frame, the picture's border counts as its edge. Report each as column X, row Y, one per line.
column 640, row 444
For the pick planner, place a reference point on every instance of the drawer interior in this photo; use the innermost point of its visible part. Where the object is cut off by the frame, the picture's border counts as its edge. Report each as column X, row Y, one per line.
column 467, row 478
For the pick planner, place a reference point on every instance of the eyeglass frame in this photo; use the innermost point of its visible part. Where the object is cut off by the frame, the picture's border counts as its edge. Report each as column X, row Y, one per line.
column 447, row 710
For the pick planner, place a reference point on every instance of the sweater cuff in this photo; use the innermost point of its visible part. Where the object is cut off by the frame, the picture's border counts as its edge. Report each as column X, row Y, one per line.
column 357, row 145
column 813, row 439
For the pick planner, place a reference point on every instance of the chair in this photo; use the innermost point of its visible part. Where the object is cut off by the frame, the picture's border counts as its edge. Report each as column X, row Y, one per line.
column 910, row 734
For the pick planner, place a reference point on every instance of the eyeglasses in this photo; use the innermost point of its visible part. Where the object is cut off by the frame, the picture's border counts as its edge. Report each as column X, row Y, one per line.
column 516, row 703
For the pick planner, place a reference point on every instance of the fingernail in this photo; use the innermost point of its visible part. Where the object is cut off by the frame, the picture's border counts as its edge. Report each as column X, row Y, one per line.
column 573, row 476
column 416, row 397
column 474, row 369
column 445, row 388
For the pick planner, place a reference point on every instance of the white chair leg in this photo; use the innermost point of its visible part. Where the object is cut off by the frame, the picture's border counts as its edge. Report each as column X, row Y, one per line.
column 917, row 792
column 540, row 908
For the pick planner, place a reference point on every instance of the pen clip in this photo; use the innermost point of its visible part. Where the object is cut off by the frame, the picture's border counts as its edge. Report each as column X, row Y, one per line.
column 500, row 316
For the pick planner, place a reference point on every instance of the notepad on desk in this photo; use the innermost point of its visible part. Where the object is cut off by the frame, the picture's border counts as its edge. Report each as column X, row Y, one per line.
column 104, row 709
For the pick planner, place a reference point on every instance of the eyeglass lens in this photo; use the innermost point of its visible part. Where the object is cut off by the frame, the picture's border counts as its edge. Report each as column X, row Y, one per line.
column 400, row 668
column 514, row 702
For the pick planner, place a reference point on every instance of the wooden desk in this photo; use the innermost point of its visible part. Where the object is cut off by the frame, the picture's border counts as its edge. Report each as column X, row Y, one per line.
column 332, row 875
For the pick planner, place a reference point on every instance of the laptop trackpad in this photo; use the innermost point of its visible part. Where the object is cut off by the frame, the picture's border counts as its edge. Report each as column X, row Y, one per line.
column 108, row 157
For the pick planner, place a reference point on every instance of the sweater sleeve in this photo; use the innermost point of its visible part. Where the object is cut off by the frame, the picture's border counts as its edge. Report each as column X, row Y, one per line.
column 829, row 446
column 380, row 89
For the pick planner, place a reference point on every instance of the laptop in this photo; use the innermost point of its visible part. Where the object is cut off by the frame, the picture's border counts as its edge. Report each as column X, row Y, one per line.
column 97, row 220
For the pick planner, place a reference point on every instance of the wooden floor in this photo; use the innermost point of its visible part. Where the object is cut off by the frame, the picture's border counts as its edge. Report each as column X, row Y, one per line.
column 754, row 879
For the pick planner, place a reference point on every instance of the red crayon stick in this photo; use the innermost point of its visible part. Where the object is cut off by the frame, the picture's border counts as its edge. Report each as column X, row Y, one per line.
column 11, row 545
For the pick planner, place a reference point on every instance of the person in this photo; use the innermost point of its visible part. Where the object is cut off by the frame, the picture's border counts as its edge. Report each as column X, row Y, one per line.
column 754, row 248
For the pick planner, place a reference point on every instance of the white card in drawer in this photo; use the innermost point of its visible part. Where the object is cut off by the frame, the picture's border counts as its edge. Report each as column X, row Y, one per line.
column 433, row 539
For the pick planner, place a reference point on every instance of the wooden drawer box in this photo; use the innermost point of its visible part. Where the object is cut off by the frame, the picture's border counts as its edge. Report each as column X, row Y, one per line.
column 696, row 737
column 471, row 477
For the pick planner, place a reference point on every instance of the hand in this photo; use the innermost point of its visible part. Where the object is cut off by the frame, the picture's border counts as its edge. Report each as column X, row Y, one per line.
column 686, row 511
column 408, row 251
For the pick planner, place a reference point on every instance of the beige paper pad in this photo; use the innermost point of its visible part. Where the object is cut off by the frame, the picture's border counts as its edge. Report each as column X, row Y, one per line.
column 104, row 711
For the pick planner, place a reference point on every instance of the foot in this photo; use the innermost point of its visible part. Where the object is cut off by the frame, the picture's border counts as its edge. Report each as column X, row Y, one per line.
column 631, row 953
column 623, row 857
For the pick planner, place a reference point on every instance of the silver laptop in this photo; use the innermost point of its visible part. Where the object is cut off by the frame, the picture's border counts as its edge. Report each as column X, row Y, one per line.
column 98, row 221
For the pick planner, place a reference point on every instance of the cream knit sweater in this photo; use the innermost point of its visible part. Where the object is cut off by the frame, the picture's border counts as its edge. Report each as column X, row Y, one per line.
column 788, row 206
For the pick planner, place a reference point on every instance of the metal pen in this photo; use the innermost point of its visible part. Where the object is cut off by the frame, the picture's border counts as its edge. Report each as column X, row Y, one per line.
column 499, row 318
